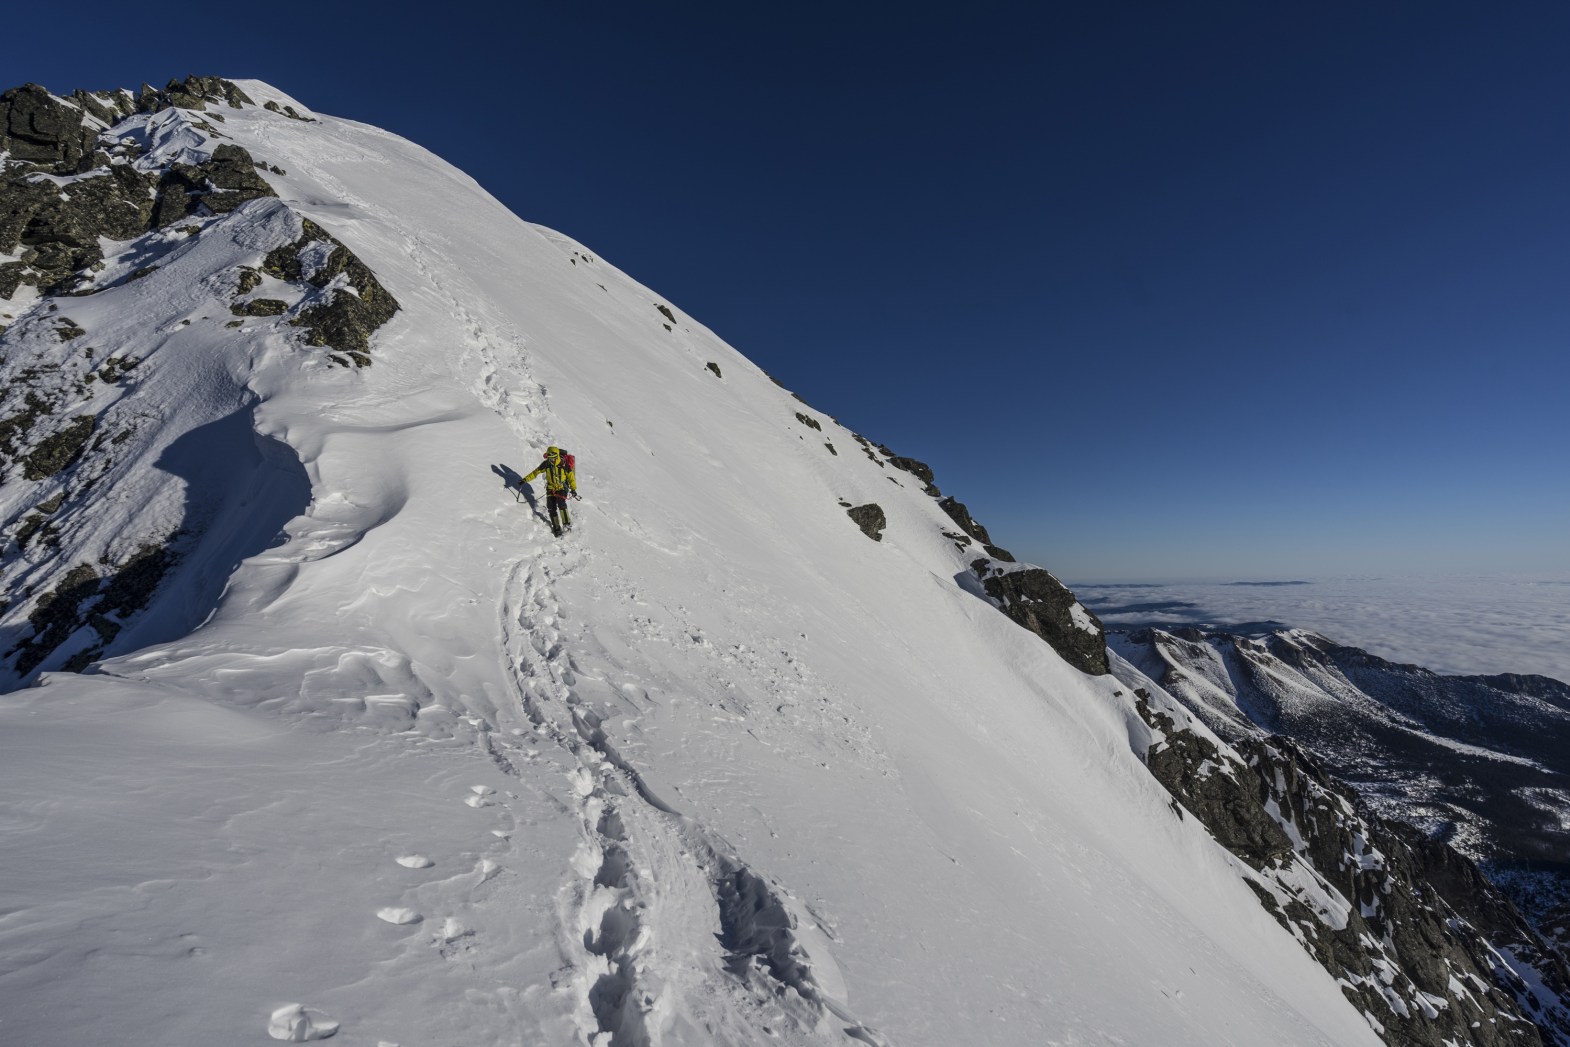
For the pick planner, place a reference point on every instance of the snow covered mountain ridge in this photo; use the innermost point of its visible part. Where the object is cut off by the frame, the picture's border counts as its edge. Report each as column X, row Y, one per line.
column 358, row 750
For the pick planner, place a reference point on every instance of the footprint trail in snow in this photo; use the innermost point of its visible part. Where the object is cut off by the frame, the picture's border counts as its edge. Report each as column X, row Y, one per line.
column 666, row 928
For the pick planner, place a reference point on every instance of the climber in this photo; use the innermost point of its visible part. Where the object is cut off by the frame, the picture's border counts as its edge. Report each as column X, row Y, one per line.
column 561, row 480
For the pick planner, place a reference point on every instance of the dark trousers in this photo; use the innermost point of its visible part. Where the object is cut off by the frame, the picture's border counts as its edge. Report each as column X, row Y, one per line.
column 557, row 503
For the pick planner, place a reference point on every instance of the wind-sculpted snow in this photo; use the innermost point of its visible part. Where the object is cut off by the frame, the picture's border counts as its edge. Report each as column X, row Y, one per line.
column 714, row 769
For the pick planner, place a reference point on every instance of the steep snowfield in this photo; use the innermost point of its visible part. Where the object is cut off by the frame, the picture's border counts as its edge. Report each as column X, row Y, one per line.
column 716, row 768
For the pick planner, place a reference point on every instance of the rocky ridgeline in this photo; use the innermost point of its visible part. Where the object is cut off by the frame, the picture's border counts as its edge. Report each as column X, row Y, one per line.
column 1028, row 595
column 99, row 191
column 67, row 182
column 70, row 179
column 1420, row 941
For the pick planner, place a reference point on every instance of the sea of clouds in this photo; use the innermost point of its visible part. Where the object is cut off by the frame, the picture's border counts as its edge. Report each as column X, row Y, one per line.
column 1450, row 625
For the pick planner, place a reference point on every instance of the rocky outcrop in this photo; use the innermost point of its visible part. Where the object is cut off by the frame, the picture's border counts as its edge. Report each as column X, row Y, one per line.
column 100, row 604
column 961, row 516
column 93, row 191
column 350, row 303
column 1409, row 928
column 1555, row 930
column 870, row 519
column 215, row 186
column 45, row 134
column 920, row 470
column 1037, row 601
column 1030, row 596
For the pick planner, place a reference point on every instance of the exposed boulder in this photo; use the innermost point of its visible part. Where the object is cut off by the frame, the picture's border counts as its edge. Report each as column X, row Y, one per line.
column 219, row 184
column 260, row 307
column 870, row 518
column 37, row 129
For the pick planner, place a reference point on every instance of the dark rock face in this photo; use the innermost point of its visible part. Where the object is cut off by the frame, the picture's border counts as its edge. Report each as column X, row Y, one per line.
column 219, row 184
column 1039, row 602
column 101, row 603
column 59, row 227
column 39, row 131
column 870, row 519
column 961, row 516
column 58, row 450
column 920, row 470
column 1555, row 930
column 1423, row 968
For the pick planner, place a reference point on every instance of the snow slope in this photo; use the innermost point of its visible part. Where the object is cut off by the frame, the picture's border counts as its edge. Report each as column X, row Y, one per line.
column 714, row 769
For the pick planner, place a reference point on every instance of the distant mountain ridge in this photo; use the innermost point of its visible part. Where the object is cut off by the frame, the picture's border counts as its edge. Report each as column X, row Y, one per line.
column 1481, row 763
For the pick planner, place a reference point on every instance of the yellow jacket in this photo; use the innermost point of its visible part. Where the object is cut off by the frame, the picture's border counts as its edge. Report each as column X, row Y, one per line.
column 559, row 479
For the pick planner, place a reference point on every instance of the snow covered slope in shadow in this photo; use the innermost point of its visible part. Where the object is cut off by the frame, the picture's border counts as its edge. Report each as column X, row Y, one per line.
column 716, row 768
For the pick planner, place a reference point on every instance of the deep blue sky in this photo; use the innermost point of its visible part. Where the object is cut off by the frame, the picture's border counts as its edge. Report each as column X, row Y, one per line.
column 1160, row 290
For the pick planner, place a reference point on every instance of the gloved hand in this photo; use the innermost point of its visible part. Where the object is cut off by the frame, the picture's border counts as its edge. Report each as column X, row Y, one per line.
column 576, row 497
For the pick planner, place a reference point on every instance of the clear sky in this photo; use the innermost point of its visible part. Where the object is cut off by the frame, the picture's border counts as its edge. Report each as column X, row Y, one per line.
column 1161, row 290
